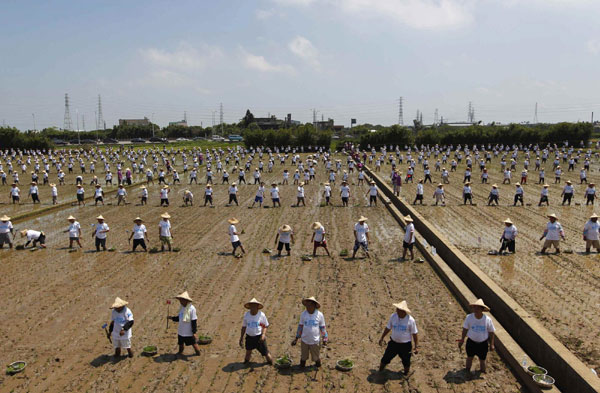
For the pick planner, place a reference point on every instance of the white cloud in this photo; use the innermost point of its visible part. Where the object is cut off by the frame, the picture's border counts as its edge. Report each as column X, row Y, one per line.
column 305, row 50
column 184, row 58
column 264, row 14
column 294, row 2
column 593, row 46
column 259, row 63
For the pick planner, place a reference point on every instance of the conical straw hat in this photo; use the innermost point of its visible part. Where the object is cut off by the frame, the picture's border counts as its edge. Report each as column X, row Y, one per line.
column 253, row 301
column 233, row 221
column 480, row 303
column 316, row 225
column 362, row 219
column 184, row 296
column 165, row 215
column 4, row 218
column 118, row 303
column 311, row 299
column 285, row 228
column 402, row 306
column 71, row 218
column 100, row 217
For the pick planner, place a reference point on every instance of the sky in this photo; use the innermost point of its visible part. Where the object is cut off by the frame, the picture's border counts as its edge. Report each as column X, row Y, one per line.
column 339, row 59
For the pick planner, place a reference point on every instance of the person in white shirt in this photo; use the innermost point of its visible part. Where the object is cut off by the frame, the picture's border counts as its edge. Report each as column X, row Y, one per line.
column 233, row 194
column 439, row 195
column 260, row 193
column 275, row 195
column 254, row 331
column 54, row 193
column 590, row 194
column 100, row 231
column 508, row 237
column 80, row 195
column 143, row 196
column 318, row 238
column 345, row 193
column 590, row 234
column 479, row 330
column 121, row 195
column 300, row 195
column 557, row 174
column 6, row 229
column 567, row 193
column 120, row 327
column 494, row 195
column 372, row 193
column 409, row 238
column 234, row 236
column 74, row 231
column 188, row 197
column 284, row 237
column 164, row 195
column 361, row 236
column 518, row 194
column 35, row 237
column 208, row 192
column 553, row 233
column 467, row 193
column 404, row 332
column 310, row 329
column 188, row 324
column 544, row 195
column 164, row 232
column 139, row 233
column 33, row 191
column 420, row 191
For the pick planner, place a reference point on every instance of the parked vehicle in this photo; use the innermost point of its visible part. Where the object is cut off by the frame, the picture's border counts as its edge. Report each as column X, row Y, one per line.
column 157, row 139
column 235, row 138
column 138, row 140
column 59, row 142
column 182, row 139
column 109, row 140
column 88, row 141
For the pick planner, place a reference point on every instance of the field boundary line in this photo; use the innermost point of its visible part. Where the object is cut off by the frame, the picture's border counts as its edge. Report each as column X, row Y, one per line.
column 570, row 373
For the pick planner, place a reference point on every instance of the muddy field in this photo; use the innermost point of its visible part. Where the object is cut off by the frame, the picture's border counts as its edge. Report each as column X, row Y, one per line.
column 56, row 301
column 562, row 291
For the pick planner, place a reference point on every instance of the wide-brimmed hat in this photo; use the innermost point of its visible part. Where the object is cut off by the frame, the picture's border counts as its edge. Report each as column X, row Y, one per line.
column 372, row 182
column 552, row 216
column 98, row 185
column 402, row 306
column 118, row 303
column 52, row 185
column 34, row 183
column 546, row 185
column 311, row 299
column 233, row 221
column 71, row 218
column 325, row 184
column 592, row 184
column 253, row 301
column 142, row 187
column 184, row 296
column 165, row 186
column 480, row 303
column 316, row 225
column 80, row 186
column 517, row 184
column 24, row 232
column 285, row 228
column 594, row 215
column 165, row 215
column 273, row 184
column 100, row 217
column 508, row 221
column 568, row 182
column 5, row 218
column 301, row 183
column 408, row 218
column 137, row 219
column 233, row 184
column 362, row 219
column 494, row 186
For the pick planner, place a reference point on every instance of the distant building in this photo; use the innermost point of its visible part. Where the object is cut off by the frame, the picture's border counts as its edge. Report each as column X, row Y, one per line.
column 134, row 122
column 273, row 123
column 324, row 124
column 182, row 123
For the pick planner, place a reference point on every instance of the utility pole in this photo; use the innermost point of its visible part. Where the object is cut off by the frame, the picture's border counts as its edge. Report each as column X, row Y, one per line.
column 152, row 124
column 78, row 136
column 68, row 124
column 435, row 117
column 83, row 121
column 400, row 112
column 97, row 124
column 33, row 115
column 185, row 117
column 221, row 118
column 100, row 120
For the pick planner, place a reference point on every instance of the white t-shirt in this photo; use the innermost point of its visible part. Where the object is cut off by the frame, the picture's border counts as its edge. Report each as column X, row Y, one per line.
column 33, row 235
column 345, row 190
column 260, row 192
column 101, row 227
column 15, row 191
column 254, row 324
column 121, row 192
column 402, row 328
column 120, row 319
column 361, row 231
column 419, row 189
column 274, row 192
column 74, row 229
column 568, row 189
column 139, row 231
column 373, row 190
column 233, row 237
column 165, row 228
column 208, row 191
column 327, row 191
column 300, row 192
column 553, row 231
column 510, row 233
column 285, row 237
column 232, row 189
column 311, row 326
column 53, row 191
column 164, row 194
column 409, row 236
column 478, row 329
column 185, row 328
column 590, row 230
column 319, row 233
column 5, row 227
column 80, row 191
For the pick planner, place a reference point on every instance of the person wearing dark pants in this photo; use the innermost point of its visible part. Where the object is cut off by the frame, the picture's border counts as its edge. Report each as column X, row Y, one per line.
column 508, row 237
column 567, row 193
column 188, row 324
column 404, row 332
column 34, row 237
column 120, row 327
column 139, row 233
column 284, row 237
column 100, row 231
column 254, row 330
column 479, row 330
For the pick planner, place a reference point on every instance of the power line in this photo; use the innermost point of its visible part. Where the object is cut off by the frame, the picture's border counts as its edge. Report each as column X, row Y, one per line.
column 99, row 120
column 67, row 124
column 400, row 112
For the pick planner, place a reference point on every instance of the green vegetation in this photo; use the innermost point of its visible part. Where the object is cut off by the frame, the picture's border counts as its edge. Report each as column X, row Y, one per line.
column 347, row 363
column 536, row 370
column 284, row 361
column 344, row 252
column 150, row 349
column 15, row 367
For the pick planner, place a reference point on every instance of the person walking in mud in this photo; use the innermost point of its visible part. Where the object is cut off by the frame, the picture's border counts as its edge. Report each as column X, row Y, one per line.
column 590, row 194
column 284, row 238
column 234, row 236
column 99, row 233
column 439, row 195
column 361, row 236
column 74, row 231
column 143, row 196
column 318, row 238
column 479, row 330
column 494, row 195
column 404, row 332
column 188, row 324
column 420, row 192
column 310, row 330
column 139, row 234
column 518, row 194
column 6, row 230
column 254, row 331
column 544, row 195
column 508, row 237
column 409, row 238
column 553, row 233
column 567, row 193
column 591, row 235
column 120, row 327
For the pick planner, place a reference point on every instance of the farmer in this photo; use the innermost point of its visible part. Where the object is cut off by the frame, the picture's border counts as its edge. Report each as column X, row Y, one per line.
column 188, row 197
column 254, row 330
column 479, row 330
column 33, row 191
column 275, row 194
column 553, row 233
column 494, row 195
column 74, row 232
column 121, row 194
column 6, row 229
column 54, row 193
column 467, row 193
column 439, row 195
column 372, row 193
column 327, row 194
column 80, row 195
column 208, row 191
column 518, row 194
column 361, row 236
column 409, row 238
column 234, row 236
column 143, row 195
column 420, row 191
column 120, row 326
column 15, row 193
column 260, row 193
column 300, row 195
column 404, row 332
column 284, row 237
column 345, row 193
column 233, row 194
column 100, row 231
column 508, row 237
column 318, row 238
column 567, row 193
column 164, row 195
column 138, row 234
column 544, row 195
column 98, row 195
column 590, row 194
column 188, row 324
column 310, row 329
column 164, row 232
column 590, row 234
column 35, row 237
